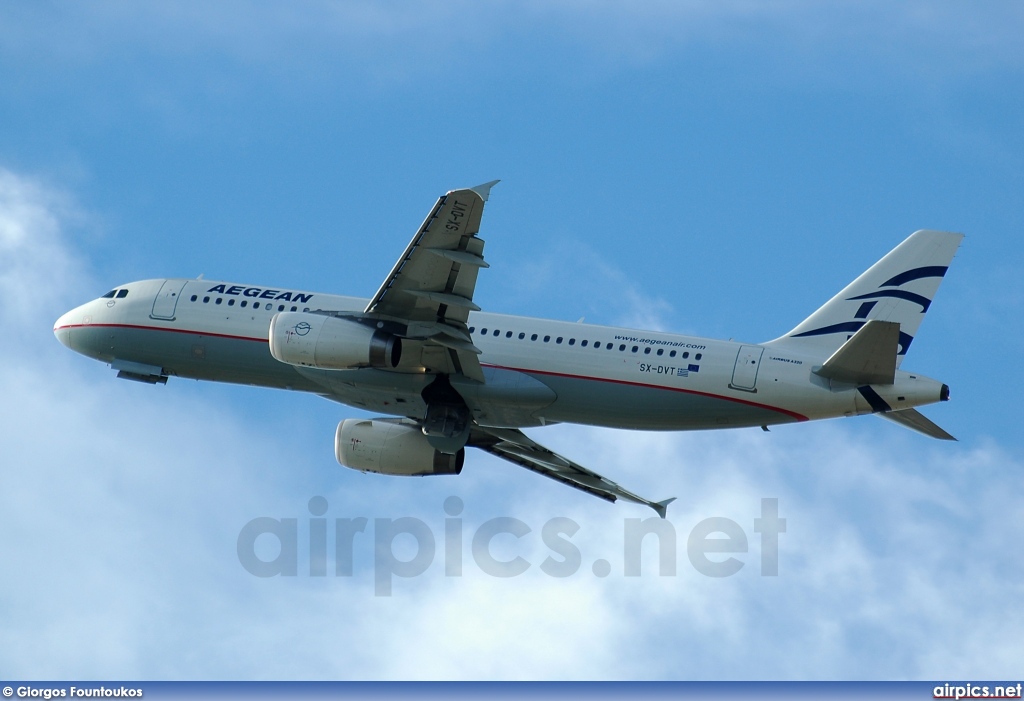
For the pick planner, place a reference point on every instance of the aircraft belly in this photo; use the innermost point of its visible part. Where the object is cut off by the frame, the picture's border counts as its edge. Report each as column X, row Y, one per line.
column 507, row 399
column 396, row 393
column 619, row 405
column 196, row 356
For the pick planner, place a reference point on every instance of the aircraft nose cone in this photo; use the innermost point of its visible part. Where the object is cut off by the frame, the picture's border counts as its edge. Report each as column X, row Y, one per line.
column 62, row 330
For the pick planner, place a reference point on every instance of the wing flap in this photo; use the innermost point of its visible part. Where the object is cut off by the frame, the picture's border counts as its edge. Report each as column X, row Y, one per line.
column 463, row 257
column 446, row 298
column 455, row 344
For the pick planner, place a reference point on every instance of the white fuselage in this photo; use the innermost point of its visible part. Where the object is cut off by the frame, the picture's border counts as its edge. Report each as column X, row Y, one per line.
column 537, row 371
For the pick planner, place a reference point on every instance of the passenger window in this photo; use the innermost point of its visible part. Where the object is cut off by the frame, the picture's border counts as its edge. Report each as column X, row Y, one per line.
column 583, row 343
column 194, row 298
column 636, row 348
column 231, row 302
column 609, row 347
column 508, row 334
column 121, row 294
column 547, row 338
column 671, row 354
column 280, row 307
column 245, row 303
column 255, row 305
column 521, row 335
column 686, row 355
column 558, row 340
column 533, row 337
column 219, row 300
column 496, row 332
column 483, row 331
column 472, row 329
column 661, row 351
column 647, row 351
column 205, row 300
column 697, row 357
column 572, row 341
column 622, row 346
column 295, row 309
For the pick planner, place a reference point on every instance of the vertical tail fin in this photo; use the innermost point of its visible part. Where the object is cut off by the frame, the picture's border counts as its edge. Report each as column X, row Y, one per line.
column 899, row 288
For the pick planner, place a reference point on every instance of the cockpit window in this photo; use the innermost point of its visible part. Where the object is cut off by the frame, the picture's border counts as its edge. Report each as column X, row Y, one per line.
column 121, row 294
column 109, row 295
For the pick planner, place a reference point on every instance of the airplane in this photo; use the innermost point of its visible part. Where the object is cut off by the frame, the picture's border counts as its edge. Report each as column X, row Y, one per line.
column 447, row 375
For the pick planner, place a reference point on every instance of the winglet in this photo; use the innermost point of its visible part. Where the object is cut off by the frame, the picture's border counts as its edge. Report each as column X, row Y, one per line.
column 662, row 506
column 484, row 190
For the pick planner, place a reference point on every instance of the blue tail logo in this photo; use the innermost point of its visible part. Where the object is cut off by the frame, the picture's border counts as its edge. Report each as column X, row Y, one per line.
column 851, row 327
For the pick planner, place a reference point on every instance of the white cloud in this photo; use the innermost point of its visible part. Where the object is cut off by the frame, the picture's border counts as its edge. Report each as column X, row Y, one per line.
column 600, row 291
column 120, row 507
column 32, row 257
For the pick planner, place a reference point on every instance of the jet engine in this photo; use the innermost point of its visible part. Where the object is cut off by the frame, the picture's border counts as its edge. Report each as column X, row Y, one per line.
column 391, row 448
column 330, row 343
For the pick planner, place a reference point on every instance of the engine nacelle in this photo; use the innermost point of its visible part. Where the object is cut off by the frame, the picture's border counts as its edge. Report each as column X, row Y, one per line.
column 389, row 448
column 318, row 341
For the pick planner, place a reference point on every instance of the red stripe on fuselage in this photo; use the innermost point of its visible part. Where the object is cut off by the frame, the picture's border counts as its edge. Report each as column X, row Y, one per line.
column 160, row 328
column 787, row 412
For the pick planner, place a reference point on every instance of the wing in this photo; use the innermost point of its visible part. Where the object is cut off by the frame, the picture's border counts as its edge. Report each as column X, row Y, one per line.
column 516, row 447
column 430, row 289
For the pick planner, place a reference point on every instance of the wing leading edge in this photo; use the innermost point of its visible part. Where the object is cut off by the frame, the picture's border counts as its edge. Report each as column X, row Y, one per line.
column 513, row 445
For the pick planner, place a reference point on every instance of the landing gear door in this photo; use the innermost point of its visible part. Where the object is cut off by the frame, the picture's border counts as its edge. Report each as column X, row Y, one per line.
column 744, row 373
column 167, row 299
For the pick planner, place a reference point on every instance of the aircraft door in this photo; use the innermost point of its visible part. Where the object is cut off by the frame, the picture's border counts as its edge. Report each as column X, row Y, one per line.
column 744, row 373
column 167, row 299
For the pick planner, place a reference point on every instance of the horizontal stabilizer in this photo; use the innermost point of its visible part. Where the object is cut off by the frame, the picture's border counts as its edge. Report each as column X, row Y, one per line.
column 868, row 357
column 916, row 421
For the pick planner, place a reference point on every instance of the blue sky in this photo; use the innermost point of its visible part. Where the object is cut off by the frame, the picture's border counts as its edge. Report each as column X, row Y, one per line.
column 712, row 168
